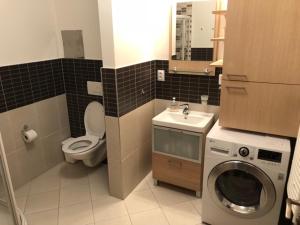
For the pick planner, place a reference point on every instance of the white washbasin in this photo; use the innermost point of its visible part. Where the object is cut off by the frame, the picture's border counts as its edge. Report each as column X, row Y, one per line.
column 195, row 121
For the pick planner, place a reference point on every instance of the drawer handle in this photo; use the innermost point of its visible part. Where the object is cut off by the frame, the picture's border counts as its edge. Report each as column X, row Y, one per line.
column 236, row 77
column 237, row 89
column 175, row 163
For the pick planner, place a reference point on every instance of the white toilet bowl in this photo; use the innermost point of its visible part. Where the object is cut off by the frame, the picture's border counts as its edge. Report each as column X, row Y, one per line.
column 90, row 148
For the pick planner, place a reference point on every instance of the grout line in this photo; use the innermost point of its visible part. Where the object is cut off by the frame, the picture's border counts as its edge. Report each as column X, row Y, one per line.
column 93, row 212
column 59, row 196
column 160, row 206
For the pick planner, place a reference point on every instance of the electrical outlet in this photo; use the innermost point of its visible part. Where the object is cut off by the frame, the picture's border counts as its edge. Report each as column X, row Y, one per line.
column 161, row 75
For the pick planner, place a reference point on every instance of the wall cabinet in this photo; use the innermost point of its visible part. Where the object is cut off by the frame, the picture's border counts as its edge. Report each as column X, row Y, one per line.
column 263, row 41
column 261, row 107
column 261, row 81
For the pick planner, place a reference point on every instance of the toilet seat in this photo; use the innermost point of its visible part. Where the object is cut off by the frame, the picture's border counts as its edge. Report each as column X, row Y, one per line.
column 80, row 144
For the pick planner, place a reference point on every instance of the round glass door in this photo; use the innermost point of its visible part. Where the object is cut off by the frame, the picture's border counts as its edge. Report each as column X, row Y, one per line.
column 241, row 189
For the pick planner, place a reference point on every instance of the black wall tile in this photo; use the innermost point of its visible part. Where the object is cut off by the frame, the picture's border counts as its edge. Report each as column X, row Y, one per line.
column 143, row 83
column 24, row 84
column 202, row 54
column 126, row 89
column 187, row 88
column 76, row 74
column 110, row 92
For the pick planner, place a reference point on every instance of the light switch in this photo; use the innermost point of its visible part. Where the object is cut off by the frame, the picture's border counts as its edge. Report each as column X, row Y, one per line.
column 95, row 88
column 160, row 75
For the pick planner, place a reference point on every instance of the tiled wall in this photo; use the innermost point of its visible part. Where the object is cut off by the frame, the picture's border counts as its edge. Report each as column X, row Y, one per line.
column 33, row 94
column 188, row 88
column 76, row 74
column 129, row 149
column 110, row 92
column 127, row 88
column 49, row 118
column 24, row 84
column 202, row 54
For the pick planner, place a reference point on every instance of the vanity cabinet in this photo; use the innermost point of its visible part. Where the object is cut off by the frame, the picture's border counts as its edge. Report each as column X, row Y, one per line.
column 261, row 82
column 177, row 157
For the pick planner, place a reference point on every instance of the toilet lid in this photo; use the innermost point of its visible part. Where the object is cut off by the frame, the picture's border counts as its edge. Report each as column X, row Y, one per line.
column 81, row 144
column 94, row 119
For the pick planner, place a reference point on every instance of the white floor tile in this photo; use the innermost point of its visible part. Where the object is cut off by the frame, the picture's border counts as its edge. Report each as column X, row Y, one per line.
column 79, row 214
column 142, row 186
column 42, row 202
column 140, row 201
column 182, row 214
column 43, row 218
column 198, row 205
column 149, row 179
column 74, row 194
column 150, row 217
column 55, row 171
column 44, row 183
column 73, row 174
column 21, row 202
column 108, row 207
column 98, row 180
column 168, row 196
column 23, row 191
column 125, row 220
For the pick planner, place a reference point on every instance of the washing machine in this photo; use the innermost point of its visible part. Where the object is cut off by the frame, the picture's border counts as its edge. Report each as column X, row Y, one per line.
column 244, row 177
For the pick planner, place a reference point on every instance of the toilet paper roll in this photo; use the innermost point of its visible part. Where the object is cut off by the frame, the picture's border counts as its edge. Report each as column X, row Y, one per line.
column 29, row 136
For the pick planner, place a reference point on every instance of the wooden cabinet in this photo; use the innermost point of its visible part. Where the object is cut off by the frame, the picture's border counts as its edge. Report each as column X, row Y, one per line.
column 177, row 157
column 176, row 171
column 261, row 71
column 263, row 41
column 261, row 107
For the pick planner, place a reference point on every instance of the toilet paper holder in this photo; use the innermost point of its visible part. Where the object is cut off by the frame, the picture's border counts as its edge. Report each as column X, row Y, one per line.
column 25, row 128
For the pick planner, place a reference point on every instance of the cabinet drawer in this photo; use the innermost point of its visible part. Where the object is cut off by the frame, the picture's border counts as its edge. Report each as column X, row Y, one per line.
column 177, row 171
column 176, row 142
column 261, row 107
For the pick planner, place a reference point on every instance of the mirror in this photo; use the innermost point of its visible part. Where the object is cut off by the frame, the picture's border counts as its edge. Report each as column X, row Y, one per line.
column 197, row 31
column 194, row 29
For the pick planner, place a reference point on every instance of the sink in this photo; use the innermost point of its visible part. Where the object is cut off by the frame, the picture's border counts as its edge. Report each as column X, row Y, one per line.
column 195, row 121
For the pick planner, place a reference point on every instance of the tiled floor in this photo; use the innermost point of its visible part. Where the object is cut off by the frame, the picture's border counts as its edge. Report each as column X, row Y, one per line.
column 77, row 195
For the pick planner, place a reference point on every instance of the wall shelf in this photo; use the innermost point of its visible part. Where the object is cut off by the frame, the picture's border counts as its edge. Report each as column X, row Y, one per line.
column 218, row 63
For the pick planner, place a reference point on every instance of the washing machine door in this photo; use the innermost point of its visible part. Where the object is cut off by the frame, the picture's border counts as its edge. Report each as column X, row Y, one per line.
column 241, row 189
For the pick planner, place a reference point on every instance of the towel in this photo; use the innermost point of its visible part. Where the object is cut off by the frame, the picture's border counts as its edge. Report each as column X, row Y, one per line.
column 293, row 187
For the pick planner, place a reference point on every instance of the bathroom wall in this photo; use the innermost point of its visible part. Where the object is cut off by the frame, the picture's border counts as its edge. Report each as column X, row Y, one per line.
column 131, row 34
column 129, row 108
column 28, row 31
column 80, row 15
column 33, row 94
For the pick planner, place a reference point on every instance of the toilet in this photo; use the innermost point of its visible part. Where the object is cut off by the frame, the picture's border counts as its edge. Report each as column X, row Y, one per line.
column 90, row 148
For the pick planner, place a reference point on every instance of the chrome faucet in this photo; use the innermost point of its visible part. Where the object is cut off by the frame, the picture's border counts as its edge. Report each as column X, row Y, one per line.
column 186, row 109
